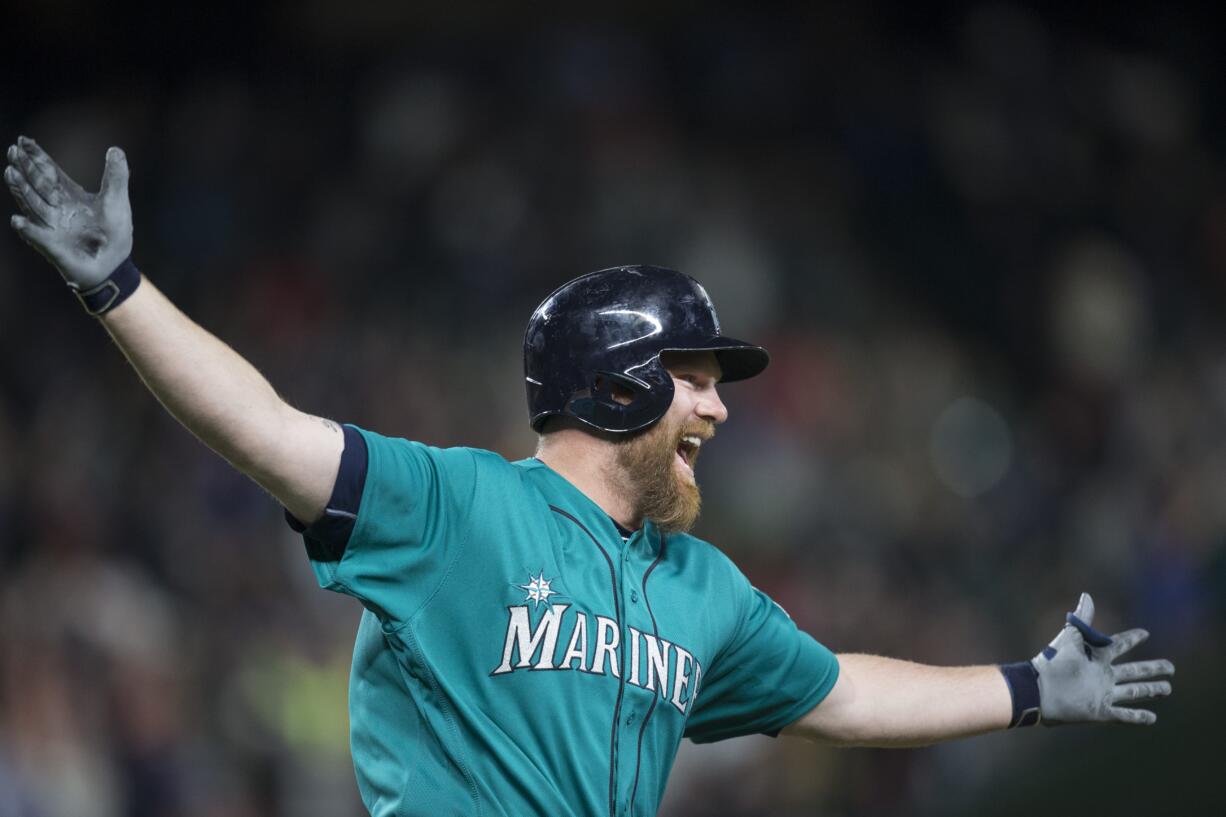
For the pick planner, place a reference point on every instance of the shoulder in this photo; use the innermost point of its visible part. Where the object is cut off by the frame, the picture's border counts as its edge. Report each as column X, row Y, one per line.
column 395, row 448
column 707, row 563
column 688, row 546
column 397, row 459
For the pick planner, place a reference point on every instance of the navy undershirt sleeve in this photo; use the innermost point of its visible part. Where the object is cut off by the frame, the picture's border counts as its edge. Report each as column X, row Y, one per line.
column 328, row 536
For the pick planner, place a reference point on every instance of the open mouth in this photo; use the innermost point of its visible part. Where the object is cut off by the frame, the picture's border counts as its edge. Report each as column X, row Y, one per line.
column 687, row 451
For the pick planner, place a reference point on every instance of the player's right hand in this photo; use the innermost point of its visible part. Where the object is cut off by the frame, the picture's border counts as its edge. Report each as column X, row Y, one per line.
column 85, row 235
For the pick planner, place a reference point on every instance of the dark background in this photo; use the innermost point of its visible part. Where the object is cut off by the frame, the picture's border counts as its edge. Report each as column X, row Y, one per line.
column 985, row 243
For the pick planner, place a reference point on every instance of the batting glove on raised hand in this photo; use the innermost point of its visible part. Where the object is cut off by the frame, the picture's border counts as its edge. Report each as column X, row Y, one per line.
column 87, row 236
column 1075, row 680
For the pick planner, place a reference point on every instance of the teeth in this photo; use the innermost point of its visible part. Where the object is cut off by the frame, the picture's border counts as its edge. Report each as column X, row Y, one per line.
column 690, row 439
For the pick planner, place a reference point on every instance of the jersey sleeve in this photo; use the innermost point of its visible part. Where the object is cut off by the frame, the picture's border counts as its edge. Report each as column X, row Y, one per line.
column 767, row 676
column 410, row 520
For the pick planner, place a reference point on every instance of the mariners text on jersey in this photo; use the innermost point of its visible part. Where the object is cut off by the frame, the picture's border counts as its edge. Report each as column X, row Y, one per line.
column 653, row 661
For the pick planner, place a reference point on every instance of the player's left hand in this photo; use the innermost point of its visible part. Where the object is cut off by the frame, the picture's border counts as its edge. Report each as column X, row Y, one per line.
column 1079, row 681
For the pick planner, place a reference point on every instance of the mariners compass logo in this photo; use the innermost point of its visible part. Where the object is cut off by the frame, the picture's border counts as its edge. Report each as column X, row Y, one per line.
column 539, row 589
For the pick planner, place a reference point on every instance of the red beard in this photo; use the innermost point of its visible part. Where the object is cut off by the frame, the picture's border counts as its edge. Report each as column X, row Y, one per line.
column 662, row 491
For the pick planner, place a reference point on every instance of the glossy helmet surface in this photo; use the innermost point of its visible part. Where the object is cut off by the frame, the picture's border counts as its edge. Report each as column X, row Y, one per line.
column 606, row 330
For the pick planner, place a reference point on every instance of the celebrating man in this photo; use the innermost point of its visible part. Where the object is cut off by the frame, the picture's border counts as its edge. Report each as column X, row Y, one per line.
column 540, row 635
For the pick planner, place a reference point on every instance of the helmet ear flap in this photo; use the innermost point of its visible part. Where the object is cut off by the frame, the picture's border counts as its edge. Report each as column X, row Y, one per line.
column 615, row 401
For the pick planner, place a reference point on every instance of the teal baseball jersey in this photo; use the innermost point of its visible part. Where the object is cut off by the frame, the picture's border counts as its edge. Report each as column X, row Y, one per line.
column 519, row 656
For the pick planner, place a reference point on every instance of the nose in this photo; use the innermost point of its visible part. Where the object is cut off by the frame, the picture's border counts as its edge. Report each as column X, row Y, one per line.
column 711, row 408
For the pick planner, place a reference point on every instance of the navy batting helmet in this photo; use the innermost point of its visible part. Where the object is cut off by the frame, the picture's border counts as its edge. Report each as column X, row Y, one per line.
column 606, row 330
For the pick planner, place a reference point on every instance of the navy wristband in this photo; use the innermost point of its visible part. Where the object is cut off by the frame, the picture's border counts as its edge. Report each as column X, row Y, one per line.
column 1023, row 681
column 112, row 292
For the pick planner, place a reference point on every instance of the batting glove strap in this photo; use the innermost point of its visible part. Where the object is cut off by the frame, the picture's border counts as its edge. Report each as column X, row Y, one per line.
column 1023, row 681
column 100, row 299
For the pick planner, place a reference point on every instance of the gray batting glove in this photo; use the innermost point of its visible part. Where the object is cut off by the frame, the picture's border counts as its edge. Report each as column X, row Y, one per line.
column 1079, row 681
column 85, row 235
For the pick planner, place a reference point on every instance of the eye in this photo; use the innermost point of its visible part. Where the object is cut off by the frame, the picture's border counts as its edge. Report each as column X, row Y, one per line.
column 692, row 379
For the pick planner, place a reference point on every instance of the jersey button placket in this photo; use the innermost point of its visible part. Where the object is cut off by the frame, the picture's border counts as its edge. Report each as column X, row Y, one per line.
column 623, row 725
column 626, row 742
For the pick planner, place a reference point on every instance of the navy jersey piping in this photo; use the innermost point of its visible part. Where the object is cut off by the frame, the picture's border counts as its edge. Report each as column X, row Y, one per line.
column 621, row 681
column 655, row 699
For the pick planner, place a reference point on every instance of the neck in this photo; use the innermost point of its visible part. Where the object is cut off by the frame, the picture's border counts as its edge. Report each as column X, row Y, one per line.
column 590, row 464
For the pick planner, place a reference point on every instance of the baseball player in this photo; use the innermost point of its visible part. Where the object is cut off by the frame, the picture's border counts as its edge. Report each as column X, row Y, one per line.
column 538, row 636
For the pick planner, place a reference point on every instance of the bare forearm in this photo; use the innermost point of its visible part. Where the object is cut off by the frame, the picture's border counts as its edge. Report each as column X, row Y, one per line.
column 208, row 387
column 881, row 701
column 226, row 402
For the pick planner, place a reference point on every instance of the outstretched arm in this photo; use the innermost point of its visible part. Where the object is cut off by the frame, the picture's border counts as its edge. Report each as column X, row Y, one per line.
column 886, row 702
column 205, row 384
column 880, row 701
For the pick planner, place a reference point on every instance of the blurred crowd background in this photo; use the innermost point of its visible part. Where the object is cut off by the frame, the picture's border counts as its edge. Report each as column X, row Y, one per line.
column 986, row 246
